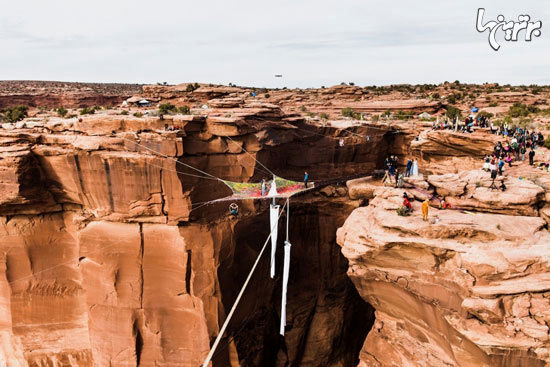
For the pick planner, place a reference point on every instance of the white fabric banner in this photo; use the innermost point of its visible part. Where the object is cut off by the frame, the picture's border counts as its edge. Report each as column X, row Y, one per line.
column 273, row 225
column 272, row 190
column 286, row 270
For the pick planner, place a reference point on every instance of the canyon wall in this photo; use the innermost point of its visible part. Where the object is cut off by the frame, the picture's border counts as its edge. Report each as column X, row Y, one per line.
column 105, row 262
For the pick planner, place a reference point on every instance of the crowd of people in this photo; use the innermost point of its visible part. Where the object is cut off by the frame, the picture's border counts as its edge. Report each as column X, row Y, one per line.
column 520, row 143
column 467, row 126
column 392, row 170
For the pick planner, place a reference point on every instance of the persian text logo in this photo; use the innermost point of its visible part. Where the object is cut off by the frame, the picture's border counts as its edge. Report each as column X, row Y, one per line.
column 510, row 28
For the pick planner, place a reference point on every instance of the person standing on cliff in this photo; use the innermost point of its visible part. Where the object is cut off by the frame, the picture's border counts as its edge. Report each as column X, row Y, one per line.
column 408, row 168
column 425, row 206
column 306, row 178
column 531, row 156
column 263, row 187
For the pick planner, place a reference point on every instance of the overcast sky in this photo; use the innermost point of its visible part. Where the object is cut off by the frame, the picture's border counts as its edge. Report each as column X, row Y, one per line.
column 312, row 43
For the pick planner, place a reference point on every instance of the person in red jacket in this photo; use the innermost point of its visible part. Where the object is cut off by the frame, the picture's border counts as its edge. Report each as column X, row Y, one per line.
column 407, row 203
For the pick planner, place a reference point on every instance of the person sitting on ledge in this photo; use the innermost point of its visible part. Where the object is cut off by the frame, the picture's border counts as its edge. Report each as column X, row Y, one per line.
column 407, row 203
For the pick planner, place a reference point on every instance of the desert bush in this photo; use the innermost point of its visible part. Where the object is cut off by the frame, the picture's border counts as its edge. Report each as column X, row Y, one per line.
column 87, row 111
column 453, row 112
column 266, row 95
column 348, row 112
column 15, row 114
column 547, row 142
column 138, row 114
column 485, row 114
column 493, row 104
column 403, row 115
column 184, row 110
column 324, row 115
column 124, row 112
column 62, row 111
column 402, row 211
column 303, row 108
column 166, row 108
column 521, row 110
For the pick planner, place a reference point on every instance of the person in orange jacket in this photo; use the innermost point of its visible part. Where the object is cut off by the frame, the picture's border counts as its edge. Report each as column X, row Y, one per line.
column 425, row 206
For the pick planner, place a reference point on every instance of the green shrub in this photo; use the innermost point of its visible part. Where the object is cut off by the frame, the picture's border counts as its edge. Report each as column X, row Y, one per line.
column 485, row 114
column 547, row 142
column 303, row 108
column 184, row 110
column 521, row 110
column 493, row 104
column 87, row 111
column 191, row 87
column 138, row 114
column 403, row 115
column 266, row 95
column 124, row 112
column 453, row 112
column 62, row 111
column 324, row 115
column 348, row 112
column 15, row 114
column 453, row 98
column 167, row 108
column 402, row 211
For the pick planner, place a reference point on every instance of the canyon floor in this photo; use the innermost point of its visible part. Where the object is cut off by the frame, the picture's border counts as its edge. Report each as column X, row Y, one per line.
column 117, row 247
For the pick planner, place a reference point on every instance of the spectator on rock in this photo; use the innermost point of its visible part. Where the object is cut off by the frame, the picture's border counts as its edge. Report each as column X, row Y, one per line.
column 408, row 168
column 407, row 203
column 531, row 156
column 425, row 206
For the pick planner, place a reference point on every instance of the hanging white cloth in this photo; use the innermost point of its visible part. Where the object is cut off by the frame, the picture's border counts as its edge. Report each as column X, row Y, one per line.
column 272, row 190
column 286, row 270
column 274, row 223
column 415, row 168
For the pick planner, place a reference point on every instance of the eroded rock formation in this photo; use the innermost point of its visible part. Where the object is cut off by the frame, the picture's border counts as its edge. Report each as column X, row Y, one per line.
column 464, row 289
column 106, row 262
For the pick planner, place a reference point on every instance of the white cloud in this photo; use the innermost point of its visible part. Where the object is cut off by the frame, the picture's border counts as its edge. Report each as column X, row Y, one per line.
column 311, row 43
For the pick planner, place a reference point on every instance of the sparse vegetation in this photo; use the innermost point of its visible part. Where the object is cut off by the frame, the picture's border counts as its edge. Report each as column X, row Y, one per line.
column 167, row 108
column 184, row 110
column 521, row 110
column 485, row 114
column 138, row 114
column 61, row 111
column 191, row 87
column 493, row 104
column 87, row 111
column 402, row 211
column 348, row 112
column 266, row 95
column 324, row 115
column 453, row 112
column 15, row 114
column 303, row 108
column 403, row 115
column 124, row 112
column 547, row 142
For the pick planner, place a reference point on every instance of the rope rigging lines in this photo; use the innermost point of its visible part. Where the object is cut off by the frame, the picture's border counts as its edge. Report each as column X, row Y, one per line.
column 239, row 296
